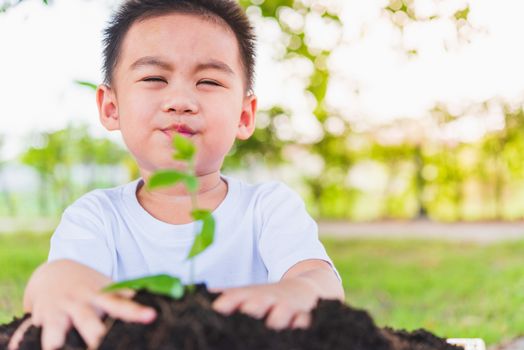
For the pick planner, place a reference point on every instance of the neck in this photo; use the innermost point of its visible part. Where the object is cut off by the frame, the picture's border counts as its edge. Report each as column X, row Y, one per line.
column 207, row 184
column 174, row 204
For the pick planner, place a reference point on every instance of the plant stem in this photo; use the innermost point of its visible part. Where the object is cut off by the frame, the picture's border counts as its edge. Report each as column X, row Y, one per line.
column 194, row 205
column 191, row 285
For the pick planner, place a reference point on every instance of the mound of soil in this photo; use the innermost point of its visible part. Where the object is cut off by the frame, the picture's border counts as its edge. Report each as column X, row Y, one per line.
column 190, row 323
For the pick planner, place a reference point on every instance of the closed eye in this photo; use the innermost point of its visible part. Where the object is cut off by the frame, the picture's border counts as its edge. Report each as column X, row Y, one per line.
column 209, row 82
column 154, row 79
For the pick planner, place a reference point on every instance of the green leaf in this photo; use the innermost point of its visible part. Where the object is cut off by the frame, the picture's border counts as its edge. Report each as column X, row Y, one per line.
column 166, row 178
column 170, row 177
column 159, row 284
column 184, row 148
column 86, row 84
column 206, row 236
column 462, row 14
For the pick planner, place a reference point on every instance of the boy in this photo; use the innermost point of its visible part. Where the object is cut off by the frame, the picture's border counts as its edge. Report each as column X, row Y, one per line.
column 179, row 66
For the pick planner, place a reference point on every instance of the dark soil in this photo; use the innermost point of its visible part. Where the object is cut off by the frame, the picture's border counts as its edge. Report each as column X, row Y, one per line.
column 7, row 330
column 191, row 324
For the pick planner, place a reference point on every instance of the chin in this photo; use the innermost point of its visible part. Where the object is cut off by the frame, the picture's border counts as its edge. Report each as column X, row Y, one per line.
column 178, row 165
column 207, row 168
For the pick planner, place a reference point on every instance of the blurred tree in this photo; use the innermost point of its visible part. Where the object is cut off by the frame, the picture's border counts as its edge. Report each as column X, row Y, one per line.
column 61, row 146
column 7, row 4
column 58, row 153
column 6, row 194
column 43, row 162
column 512, row 153
column 419, row 181
column 403, row 13
column 439, row 174
column 331, row 196
column 331, row 147
column 94, row 154
column 264, row 145
column 451, row 174
column 53, row 162
column 493, row 161
column 501, row 160
column 396, row 157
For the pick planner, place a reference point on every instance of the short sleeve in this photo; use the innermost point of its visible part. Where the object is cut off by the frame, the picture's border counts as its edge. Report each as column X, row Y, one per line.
column 289, row 234
column 81, row 236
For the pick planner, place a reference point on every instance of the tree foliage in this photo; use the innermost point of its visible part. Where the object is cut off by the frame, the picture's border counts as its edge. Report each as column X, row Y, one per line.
column 5, row 5
column 434, row 177
column 54, row 157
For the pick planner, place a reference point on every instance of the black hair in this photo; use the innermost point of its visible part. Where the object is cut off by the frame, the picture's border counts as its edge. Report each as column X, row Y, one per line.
column 227, row 11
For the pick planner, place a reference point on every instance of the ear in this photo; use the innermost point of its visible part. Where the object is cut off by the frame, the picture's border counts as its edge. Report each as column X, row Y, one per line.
column 107, row 107
column 246, row 125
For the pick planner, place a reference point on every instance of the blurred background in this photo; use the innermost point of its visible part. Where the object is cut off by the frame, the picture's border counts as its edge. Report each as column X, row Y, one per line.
column 376, row 111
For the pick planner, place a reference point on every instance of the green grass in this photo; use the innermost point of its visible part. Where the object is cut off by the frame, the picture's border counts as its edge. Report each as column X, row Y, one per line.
column 454, row 290
column 20, row 254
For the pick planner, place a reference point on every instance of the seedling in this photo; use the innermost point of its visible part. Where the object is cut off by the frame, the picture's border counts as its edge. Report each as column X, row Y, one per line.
column 164, row 284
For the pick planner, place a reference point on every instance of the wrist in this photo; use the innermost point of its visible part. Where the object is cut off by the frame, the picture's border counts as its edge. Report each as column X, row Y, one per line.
column 304, row 284
column 320, row 282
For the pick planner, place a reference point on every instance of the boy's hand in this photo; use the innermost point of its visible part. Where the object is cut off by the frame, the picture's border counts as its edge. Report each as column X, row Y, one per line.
column 287, row 303
column 64, row 293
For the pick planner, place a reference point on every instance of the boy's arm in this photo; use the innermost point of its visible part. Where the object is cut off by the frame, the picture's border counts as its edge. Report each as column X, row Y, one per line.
column 288, row 302
column 64, row 293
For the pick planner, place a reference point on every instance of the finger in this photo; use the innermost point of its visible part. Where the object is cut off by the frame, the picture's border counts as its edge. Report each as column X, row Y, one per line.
column 259, row 307
column 229, row 301
column 18, row 335
column 302, row 320
column 87, row 322
column 215, row 290
column 280, row 317
column 54, row 329
column 125, row 293
column 124, row 309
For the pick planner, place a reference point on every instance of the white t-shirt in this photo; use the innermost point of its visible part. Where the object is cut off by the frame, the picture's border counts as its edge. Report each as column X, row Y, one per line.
column 261, row 231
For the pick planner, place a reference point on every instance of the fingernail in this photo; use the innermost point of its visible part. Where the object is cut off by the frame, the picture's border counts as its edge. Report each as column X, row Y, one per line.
column 148, row 315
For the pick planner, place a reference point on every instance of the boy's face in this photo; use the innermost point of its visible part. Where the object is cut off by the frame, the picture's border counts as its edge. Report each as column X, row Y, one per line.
column 178, row 74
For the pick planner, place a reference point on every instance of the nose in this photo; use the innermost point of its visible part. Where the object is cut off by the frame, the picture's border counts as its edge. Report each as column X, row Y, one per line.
column 180, row 101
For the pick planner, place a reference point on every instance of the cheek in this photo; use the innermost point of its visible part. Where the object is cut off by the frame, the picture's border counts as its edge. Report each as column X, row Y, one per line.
column 134, row 123
column 223, row 109
column 137, row 112
column 139, row 100
column 132, row 137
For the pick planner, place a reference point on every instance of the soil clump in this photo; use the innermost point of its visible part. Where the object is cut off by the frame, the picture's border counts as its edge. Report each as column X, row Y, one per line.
column 191, row 324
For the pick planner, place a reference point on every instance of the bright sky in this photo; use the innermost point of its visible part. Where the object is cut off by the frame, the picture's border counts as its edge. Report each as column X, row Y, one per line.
column 47, row 48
